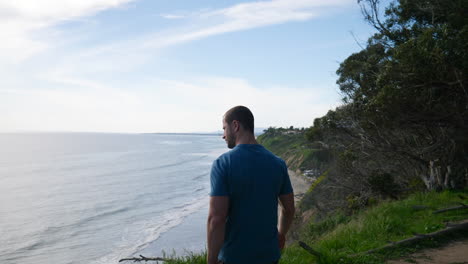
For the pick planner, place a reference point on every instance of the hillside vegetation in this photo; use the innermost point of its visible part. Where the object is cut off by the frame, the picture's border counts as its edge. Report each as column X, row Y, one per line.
column 299, row 153
column 342, row 238
column 403, row 124
column 400, row 132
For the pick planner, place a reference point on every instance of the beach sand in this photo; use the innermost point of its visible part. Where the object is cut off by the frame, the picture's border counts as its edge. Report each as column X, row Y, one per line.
column 300, row 185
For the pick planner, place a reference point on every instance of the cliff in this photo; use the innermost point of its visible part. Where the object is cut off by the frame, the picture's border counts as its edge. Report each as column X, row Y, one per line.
column 301, row 155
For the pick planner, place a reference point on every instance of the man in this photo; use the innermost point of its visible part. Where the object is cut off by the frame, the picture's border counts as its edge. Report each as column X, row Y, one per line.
column 246, row 184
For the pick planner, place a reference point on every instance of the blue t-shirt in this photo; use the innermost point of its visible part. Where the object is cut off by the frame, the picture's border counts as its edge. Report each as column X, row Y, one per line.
column 253, row 178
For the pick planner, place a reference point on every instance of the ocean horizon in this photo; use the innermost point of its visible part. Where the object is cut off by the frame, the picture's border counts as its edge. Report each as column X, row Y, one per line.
column 100, row 197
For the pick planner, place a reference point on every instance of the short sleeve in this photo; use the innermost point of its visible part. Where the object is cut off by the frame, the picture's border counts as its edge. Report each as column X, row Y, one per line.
column 286, row 186
column 218, row 178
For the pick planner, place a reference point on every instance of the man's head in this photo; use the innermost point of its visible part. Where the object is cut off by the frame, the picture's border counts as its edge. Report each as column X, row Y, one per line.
column 237, row 121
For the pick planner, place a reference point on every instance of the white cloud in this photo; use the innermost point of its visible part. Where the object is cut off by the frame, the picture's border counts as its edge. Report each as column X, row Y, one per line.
column 247, row 16
column 161, row 105
column 172, row 16
column 53, row 10
column 272, row 106
column 72, row 109
column 125, row 55
column 21, row 20
column 70, row 94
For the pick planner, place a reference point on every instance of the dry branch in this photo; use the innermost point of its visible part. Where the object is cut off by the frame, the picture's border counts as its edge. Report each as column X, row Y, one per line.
column 419, row 207
column 418, row 237
column 143, row 258
column 309, row 249
column 462, row 206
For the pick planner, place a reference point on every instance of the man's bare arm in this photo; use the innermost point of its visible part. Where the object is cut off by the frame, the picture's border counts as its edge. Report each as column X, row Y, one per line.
column 286, row 216
column 219, row 206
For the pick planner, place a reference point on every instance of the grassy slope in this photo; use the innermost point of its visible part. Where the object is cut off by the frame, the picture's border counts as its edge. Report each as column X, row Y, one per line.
column 339, row 237
column 295, row 149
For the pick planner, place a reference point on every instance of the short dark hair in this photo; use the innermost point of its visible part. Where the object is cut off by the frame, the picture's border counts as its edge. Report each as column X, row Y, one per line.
column 243, row 115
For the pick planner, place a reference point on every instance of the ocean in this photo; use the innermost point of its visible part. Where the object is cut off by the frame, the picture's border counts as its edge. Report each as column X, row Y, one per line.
column 96, row 198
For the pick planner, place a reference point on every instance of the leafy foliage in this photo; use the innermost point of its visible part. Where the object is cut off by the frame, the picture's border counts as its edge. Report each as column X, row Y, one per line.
column 406, row 99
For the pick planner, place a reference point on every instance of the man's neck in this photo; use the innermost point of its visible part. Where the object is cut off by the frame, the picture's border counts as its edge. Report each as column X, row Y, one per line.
column 246, row 139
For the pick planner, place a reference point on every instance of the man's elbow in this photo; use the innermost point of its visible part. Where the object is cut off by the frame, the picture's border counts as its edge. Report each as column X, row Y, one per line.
column 287, row 204
column 288, row 210
column 216, row 220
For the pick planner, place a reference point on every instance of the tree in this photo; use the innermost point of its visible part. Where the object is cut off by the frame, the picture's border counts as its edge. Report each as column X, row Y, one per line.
column 405, row 95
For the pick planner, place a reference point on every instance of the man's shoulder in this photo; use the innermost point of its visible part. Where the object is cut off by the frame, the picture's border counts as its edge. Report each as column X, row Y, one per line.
column 273, row 156
column 224, row 158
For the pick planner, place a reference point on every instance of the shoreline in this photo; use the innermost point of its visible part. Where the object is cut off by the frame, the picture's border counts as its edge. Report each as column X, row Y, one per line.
column 300, row 185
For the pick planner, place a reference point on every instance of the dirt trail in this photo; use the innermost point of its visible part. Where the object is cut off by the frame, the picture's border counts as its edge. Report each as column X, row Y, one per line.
column 453, row 253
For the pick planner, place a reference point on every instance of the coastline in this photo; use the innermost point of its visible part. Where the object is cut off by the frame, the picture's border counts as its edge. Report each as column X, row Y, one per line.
column 300, row 185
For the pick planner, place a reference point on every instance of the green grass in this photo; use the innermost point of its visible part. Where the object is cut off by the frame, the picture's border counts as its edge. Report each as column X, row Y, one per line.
column 339, row 237
column 297, row 255
column 294, row 148
column 192, row 258
column 280, row 144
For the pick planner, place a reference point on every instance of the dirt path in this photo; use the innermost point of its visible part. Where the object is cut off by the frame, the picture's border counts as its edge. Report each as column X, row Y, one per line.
column 453, row 253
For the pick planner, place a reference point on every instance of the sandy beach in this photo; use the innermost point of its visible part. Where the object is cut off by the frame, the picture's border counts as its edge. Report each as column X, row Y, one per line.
column 299, row 183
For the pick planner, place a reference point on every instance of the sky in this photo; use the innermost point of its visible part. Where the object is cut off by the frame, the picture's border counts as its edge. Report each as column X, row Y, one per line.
column 141, row 66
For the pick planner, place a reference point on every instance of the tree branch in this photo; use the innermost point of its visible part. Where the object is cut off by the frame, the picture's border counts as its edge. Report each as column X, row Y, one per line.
column 462, row 206
column 418, row 237
column 143, row 258
column 309, row 249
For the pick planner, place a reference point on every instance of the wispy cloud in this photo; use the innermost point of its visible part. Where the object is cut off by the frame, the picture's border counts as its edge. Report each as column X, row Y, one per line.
column 22, row 20
column 172, row 16
column 150, row 108
column 70, row 93
column 126, row 54
column 247, row 16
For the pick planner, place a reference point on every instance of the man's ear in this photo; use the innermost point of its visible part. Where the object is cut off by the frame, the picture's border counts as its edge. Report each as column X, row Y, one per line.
column 236, row 125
